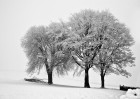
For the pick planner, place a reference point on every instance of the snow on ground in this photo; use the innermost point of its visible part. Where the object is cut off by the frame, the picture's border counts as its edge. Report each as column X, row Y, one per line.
column 14, row 87
column 131, row 94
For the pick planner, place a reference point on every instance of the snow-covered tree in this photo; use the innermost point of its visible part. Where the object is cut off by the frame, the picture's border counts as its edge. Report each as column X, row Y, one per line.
column 115, row 54
column 98, row 35
column 43, row 48
column 85, row 40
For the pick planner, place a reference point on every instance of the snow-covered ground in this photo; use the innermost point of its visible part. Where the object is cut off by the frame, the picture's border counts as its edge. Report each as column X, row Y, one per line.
column 12, row 86
column 131, row 94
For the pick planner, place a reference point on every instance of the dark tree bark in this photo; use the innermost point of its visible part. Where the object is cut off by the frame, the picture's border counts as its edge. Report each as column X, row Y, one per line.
column 86, row 84
column 102, row 80
column 50, row 80
column 49, row 72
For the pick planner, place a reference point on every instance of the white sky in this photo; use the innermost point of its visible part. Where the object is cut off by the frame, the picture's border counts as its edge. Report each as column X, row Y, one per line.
column 17, row 16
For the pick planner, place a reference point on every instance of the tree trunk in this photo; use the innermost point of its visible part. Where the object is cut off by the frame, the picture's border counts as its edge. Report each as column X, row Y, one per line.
column 50, row 81
column 86, row 85
column 49, row 72
column 102, row 81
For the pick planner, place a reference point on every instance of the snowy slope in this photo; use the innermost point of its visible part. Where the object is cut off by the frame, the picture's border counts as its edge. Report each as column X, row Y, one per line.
column 12, row 87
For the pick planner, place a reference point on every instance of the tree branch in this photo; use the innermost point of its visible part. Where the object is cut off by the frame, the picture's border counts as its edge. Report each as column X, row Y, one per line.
column 112, row 53
column 76, row 61
column 96, row 49
column 78, row 54
column 106, row 68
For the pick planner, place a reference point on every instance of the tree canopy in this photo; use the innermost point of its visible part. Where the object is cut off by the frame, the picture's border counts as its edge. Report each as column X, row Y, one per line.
column 91, row 39
column 43, row 48
column 99, row 38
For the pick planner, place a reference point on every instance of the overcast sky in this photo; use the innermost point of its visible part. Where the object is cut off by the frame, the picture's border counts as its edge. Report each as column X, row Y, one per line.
column 17, row 16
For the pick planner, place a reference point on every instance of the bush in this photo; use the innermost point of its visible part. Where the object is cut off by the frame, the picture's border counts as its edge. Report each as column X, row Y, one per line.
column 125, row 88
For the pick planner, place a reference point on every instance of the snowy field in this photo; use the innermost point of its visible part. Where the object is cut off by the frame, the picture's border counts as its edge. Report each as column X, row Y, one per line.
column 12, row 86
